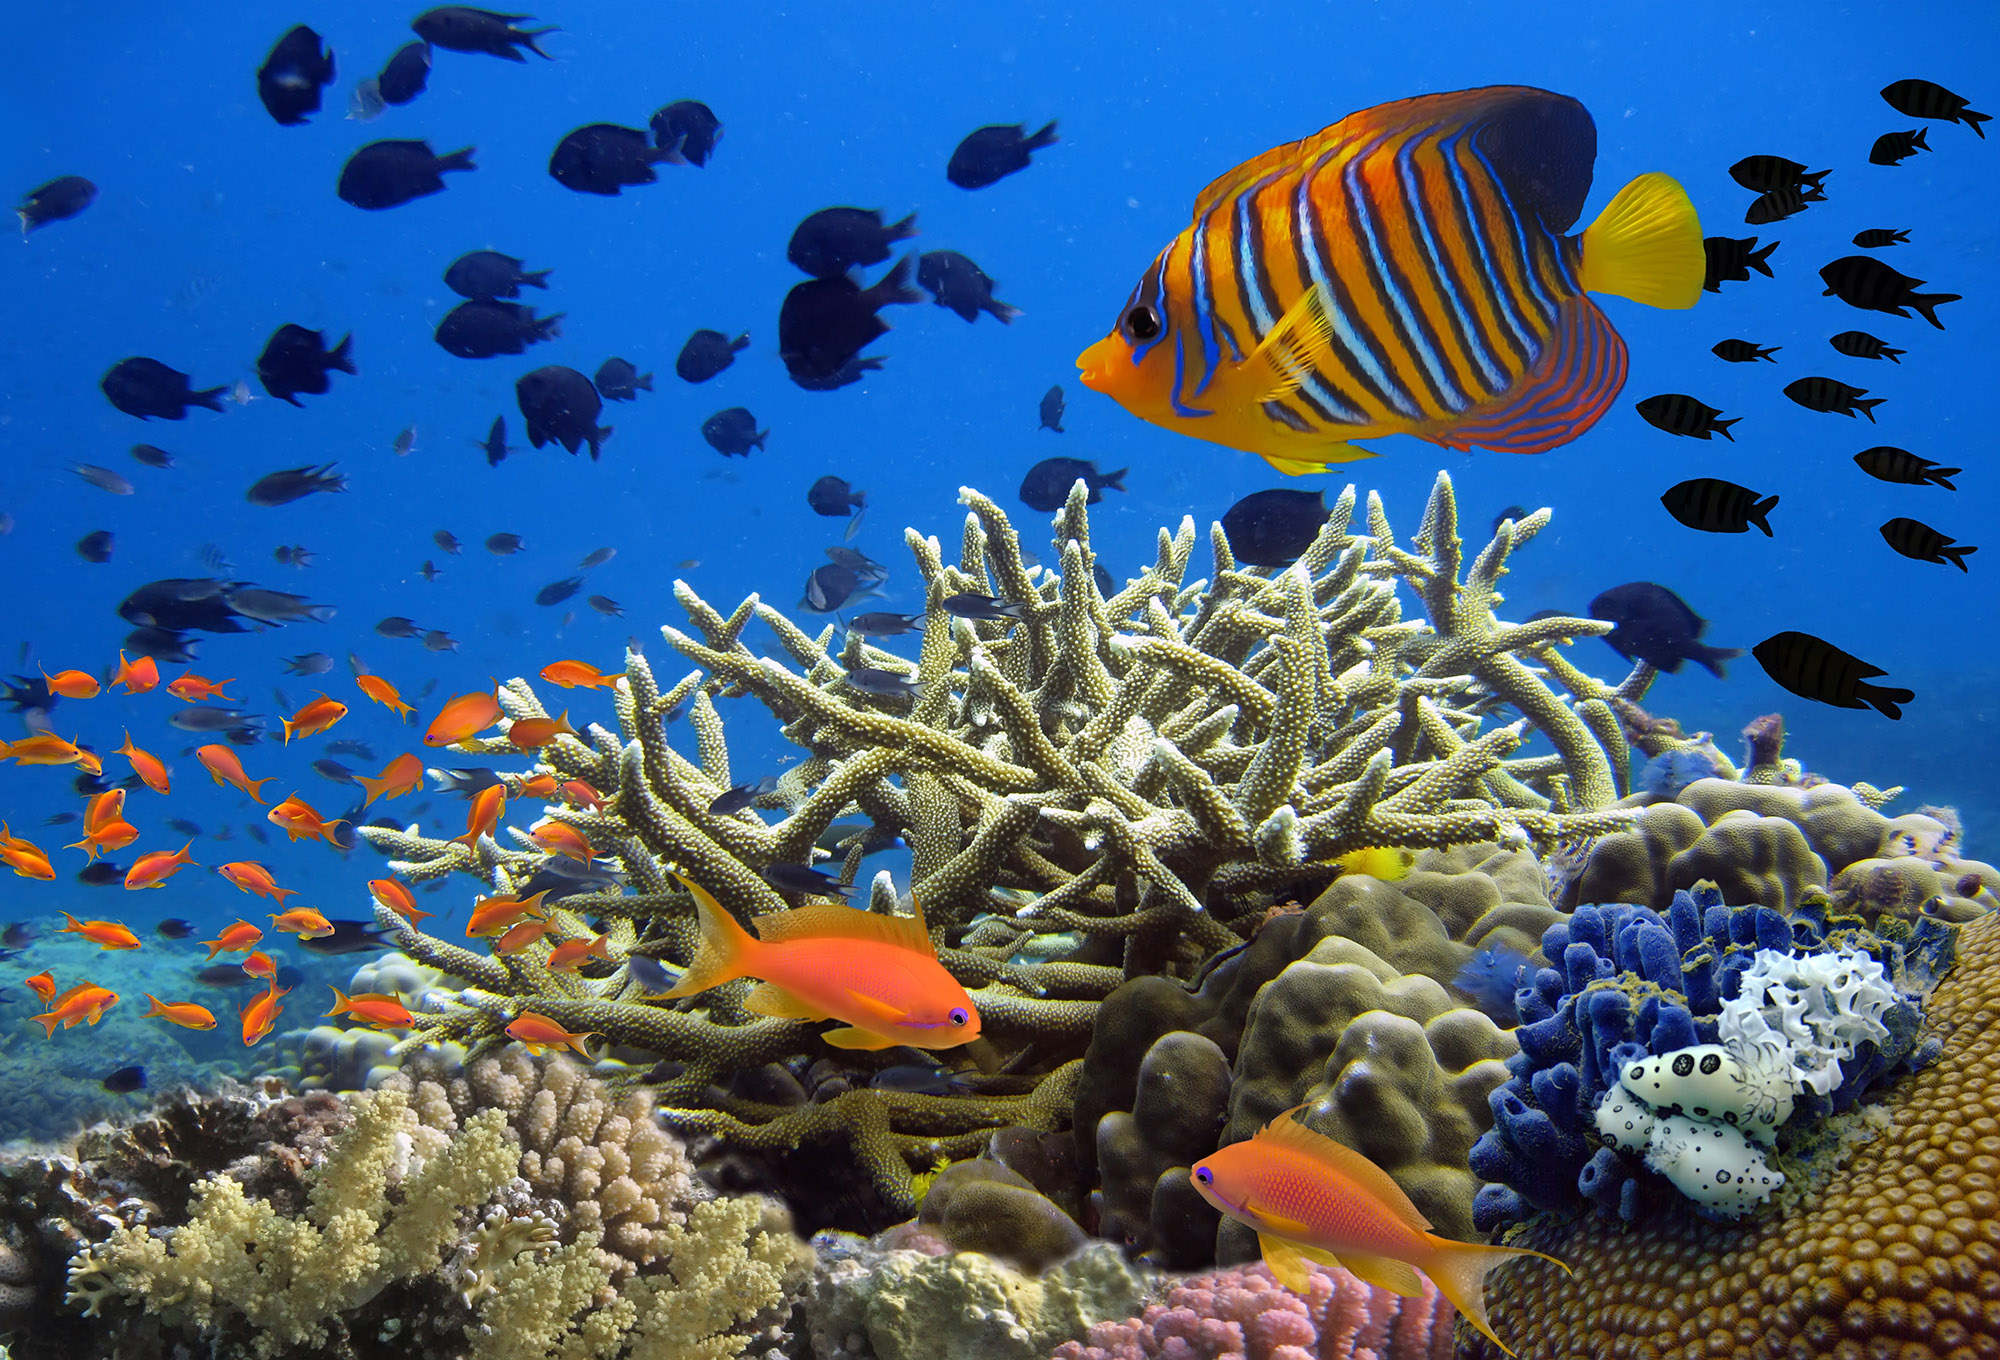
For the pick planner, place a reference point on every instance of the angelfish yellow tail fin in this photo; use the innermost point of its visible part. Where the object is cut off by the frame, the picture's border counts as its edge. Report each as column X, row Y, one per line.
column 1646, row 245
column 1459, row 1270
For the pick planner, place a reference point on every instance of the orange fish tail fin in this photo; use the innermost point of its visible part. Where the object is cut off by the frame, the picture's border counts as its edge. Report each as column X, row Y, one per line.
column 155, row 1009
column 1459, row 1270
column 255, row 787
column 342, row 1004
column 726, row 947
column 374, row 788
column 1646, row 245
column 48, row 1022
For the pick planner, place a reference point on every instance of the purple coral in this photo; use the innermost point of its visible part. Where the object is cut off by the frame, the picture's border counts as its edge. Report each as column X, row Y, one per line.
column 1244, row 1314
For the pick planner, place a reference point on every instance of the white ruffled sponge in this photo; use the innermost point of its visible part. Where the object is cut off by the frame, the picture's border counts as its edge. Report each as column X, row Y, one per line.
column 1807, row 1013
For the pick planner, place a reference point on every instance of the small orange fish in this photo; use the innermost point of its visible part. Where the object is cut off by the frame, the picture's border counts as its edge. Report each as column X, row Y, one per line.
column 488, row 805
column 541, row 785
column 303, row 922
column 155, row 867
column 84, row 1002
column 137, row 676
column 582, row 795
column 300, row 822
column 42, row 984
column 398, row 777
column 880, row 974
column 372, row 1008
column 314, row 718
column 1310, row 1198
column 255, row 879
column 397, row 898
column 73, row 684
column 45, row 748
column 491, row 915
column 382, row 692
column 113, row 835
column 519, row 937
column 105, row 808
column 261, row 1014
column 568, row 956
column 261, row 965
column 531, row 734
column 538, row 1034
column 560, row 838
column 24, row 857
column 240, row 938
column 463, row 717
column 145, row 764
column 183, row 1013
column 224, row 768
column 570, row 674
column 103, row 934
column 192, row 688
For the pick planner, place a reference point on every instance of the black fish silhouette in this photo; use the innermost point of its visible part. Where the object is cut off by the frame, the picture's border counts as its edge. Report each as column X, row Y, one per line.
column 1814, row 668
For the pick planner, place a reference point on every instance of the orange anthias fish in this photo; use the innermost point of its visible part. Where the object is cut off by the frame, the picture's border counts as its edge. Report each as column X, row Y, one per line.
column 491, row 915
column 24, row 857
column 488, row 806
column 1404, row 271
column 538, row 1034
column 397, row 898
column 259, row 965
column 531, row 734
column 303, row 922
column 224, row 768
column 137, row 676
column 103, row 934
column 880, row 974
column 255, row 879
column 398, row 777
column 184, row 1013
column 570, row 674
column 463, row 717
column 240, row 938
column 261, row 1014
column 46, row 748
column 568, row 956
column 300, row 821
column 42, row 984
column 314, row 718
column 382, row 692
column 146, row 765
column 520, row 936
column 372, row 1008
column 560, row 838
column 86, row 1003
column 581, row 794
column 541, row 785
column 105, row 808
column 73, row 684
column 155, row 867
column 112, row 835
column 1311, row 1199
column 192, row 688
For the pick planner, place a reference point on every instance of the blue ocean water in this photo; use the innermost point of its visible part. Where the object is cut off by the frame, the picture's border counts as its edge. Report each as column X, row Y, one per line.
column 215, row 226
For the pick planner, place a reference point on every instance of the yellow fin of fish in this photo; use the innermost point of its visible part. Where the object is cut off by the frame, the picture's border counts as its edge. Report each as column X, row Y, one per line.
column 1398, row 1277
column 907, row 932
column 1287, row 1131
column 1276, row 1222
column 1287, row 1262
column 1646, row 245
column 858, row 1038
column 1295, row 345
column 877, row 1007
column 767, row 998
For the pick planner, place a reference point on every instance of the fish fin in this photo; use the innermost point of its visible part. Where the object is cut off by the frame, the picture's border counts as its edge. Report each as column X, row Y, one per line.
column 847, row 923
column 1384, row 1272
column 855, row 1037
column 1306, row 467
column 1646, row 245
column 1286, row 1130
column 1286, row 1263
column 1278, row 1223
column 725, row 946
column 1459, row 1271
column 877, row 1007
column 1294, row 346
column 768, row 998
column 1578, row 378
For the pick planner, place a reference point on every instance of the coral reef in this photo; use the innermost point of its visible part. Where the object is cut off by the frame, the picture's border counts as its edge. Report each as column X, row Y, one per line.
column 1887, row 1247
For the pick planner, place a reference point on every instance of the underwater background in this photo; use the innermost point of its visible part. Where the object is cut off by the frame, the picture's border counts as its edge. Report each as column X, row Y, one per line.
column 214, row 226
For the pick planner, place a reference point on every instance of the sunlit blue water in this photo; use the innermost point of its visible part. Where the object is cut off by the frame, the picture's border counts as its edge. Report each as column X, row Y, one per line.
column 215, row 226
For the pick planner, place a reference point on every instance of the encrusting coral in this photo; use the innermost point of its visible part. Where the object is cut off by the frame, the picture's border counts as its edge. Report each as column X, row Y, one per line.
column 1143, row 775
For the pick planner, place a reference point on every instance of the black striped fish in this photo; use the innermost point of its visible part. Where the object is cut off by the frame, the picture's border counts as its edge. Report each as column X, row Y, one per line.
column 1405, row 271
column 1814, row 668
column 1915, row 539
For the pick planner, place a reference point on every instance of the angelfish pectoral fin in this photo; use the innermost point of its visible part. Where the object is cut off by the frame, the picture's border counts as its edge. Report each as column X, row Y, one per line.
column 1296, row 344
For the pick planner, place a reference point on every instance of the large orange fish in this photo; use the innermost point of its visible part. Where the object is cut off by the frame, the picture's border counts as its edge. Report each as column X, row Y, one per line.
column 255, row 879
column 372, row 1008
column 24, row 857
column 314, row 718
column 192, row 688
column 531, row 734
column 72, row 684
column 105, row 808
column 398, row 777
column 106, row 836
column 137, row 676
column 83, row 1003
column 155, row 867
column 103, row 934
column 184, row 1013
column 397, row 898
column 46, row 748
column 261, row 1014
column 1309, row 1198
column 560, row 838
column 146, row 765
column 538, row 1034
column 300, row 821
column 1404, row 271
column 303, row 922
column 463, row 717
column 570, row 674
column 240, row 938
column 879, row 974
column 382, row 692
column 488, row 806
column 224, row 768
column 492, row 915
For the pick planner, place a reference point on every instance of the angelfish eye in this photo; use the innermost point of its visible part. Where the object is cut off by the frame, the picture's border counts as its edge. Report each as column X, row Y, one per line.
column 1204, row 1175
column 1142, row 323
column 958, row 1016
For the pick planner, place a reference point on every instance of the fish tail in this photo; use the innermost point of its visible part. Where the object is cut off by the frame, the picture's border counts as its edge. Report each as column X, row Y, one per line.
column 1918, row 140
column 1885, row 699
column 155, row 1009
column 897, row 231
column 341, row 1004
column 341, row 356
column 1815, row 178
column 1459, row 1270
column 211, row 397
column 1956, row 554
column 1972, row 118
column 644, row 382
column 1721, row 427
column 48, row 1022
column 1003, row 312
column 1894, row 356
column 1942, row 477
column 1712, row 657
column 726, row 947
column 1045, row 136
column 1759, row 510
column 1760, row 260
column 1646, row 245
column 527, row 40
column 255, row 788
column 894, row 286
column 1114, row 481
column 1928, row 303
column 374, row 788
column 1867, row 408
column 460, row 159
column 538, row 278
column 550, row 328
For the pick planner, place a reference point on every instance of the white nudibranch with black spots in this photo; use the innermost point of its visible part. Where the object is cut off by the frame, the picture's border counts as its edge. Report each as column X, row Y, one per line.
column 1712, row 1164
column 1708, row 1082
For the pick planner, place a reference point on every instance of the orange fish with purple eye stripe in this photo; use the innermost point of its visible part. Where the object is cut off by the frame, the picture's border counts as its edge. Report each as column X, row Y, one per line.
column 462, row 718
column 42, row 984
column 372, row 1008
column 531, row 734
column 314, row 718
column 260, row 965
column 568, row 956
column 155, row 867
column 84, row 1003
column 192, row 689
column 560, row 838
column 398, row 777
column 301, row 822
column 397, row 898
column 538, row 1034
column 186, row 1014
column 146, row 765
column 240, row 938
column 107, row 836
column 46, row 748
column 73, row 684
column 24, row 857
column 137, row 676
column 520, row 935
column 382, row 692
column 303, row 922
column 1407, row 270
column 224, row 768
column 255, row 879
column 537, row 786
column 570, row 674
column 105, row 808
column 1309, row 1198
column 103, row 934
column 492, row 915
column 488, row 806
column 260, row 1015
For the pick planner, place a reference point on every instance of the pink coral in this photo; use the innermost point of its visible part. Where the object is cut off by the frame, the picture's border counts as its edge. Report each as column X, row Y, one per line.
column 1244, row 1314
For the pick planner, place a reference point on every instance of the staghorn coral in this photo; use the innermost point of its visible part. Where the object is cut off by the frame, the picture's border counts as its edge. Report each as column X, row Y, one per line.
column 1152, row 771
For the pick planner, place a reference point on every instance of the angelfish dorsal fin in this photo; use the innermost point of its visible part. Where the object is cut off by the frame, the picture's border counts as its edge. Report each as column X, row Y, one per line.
column 1286, row 1131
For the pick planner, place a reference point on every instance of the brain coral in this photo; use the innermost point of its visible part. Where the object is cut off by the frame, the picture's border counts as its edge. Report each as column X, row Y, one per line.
column 1895, row 1254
